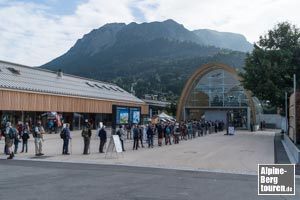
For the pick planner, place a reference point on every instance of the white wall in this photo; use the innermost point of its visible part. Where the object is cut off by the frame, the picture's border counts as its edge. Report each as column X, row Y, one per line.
column 278, row 120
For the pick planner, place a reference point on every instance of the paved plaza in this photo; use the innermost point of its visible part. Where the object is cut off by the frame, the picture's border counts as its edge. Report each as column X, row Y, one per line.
column 239, row 153
column 26, row 180
column 214, row 166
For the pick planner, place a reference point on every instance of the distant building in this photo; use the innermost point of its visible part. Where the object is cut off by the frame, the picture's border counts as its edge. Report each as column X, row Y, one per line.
column 156, row 106
column 28, row 94
column 214, row 92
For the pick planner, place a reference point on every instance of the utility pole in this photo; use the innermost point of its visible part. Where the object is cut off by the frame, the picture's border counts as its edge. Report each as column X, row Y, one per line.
column 295, row 106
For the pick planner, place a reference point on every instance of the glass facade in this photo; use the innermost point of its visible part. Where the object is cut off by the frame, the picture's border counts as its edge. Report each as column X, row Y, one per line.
column 217, row 88
column 219, row 95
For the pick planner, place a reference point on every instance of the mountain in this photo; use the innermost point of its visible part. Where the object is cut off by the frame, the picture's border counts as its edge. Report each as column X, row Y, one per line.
column 156, row 57
column 225, row 40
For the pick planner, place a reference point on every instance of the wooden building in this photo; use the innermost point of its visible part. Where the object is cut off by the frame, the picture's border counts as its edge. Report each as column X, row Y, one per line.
column 28, row 94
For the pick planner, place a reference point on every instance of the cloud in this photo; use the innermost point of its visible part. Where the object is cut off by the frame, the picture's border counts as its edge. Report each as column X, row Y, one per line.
column 250, row 18
column 32, row 34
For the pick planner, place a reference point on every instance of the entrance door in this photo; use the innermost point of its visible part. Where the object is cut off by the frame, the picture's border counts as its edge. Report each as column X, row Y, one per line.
column 238, row 118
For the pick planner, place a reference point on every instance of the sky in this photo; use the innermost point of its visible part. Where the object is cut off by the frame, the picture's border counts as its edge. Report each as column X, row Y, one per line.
column 34, row 32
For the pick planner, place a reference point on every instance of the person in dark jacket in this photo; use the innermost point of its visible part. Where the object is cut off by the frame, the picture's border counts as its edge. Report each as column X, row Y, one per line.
column 141, row 131
column 86, row 134
column 25, row 136
column 160, row 134
column 121, row 134
column 150, row 134
column 136, row 134
column 103, row 138
column 67, row 138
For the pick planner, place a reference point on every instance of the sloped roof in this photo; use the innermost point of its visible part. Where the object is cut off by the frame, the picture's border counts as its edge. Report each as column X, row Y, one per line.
column 23, row 78
column 161, row 104
column 164, row 116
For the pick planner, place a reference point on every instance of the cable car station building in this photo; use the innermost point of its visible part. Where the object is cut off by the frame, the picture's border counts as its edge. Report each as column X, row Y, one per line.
column 28, row 93
column 214, row 92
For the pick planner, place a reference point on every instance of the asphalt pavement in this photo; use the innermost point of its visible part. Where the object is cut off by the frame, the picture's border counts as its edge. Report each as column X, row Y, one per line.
column 36, row 180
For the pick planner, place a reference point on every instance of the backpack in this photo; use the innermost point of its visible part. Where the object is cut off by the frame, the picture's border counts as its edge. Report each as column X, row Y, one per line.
column 11, row 133
column 34, row 133
column 25, row 135
column 63, row 134
column 167, row 130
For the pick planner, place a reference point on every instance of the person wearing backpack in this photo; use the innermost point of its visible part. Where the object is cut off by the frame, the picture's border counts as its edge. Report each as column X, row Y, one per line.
column 66, row 136
column 121, row 134
column 25, row 136
column 38, row 140
column 176, row 133
column 16, row 140
column 103, row 138
column 9, row 139
column 86, row 134
column 168, row 134
column 150, row 134
column 3, row 131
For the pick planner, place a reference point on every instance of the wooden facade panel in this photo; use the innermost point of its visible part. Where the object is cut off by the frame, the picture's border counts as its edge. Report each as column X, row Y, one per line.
column 22, row 101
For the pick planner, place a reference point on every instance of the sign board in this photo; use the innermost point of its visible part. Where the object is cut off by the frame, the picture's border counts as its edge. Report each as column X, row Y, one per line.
column 117, row 143
column 231, row 130
column 276, row 179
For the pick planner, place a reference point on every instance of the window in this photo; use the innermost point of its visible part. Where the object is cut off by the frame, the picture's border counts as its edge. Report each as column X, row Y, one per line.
column 89, row 84
column 105, row 87
column 113, row 88
column 98, row 86
column 14, row 71
column 119, row 90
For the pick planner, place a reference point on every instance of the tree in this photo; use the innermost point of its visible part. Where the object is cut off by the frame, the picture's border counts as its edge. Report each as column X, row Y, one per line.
column 269, row 69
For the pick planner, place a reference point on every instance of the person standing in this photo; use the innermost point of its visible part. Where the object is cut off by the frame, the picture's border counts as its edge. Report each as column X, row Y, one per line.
column 150, row 134
column 25, row 136
column 103, row 138
column 121, row 135
column 3, row 131
column 168, row 134
column 141, row 133
column 86, row 134
column 50, row 126
column 66, row 137
column 160, row 134
column 9, row 139
column 38, row 140
column 176, row 133
column 16, row 140
column 136, row 134
column 18, row 136
column 190, row 130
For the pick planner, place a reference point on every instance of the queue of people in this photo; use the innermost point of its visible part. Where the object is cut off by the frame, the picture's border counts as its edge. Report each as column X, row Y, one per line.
column 13, row 136
column 167, row 133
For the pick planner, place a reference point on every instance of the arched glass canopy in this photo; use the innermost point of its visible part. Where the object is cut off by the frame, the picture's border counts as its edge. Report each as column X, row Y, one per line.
column 215, row 92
